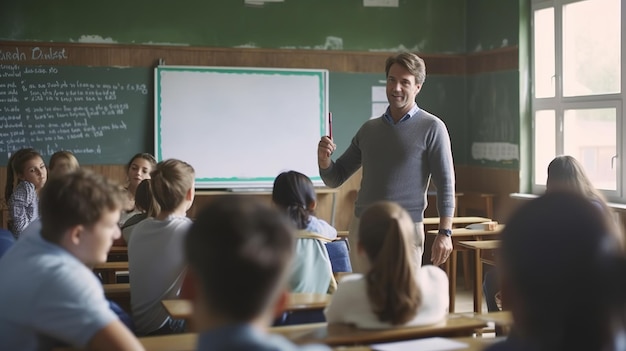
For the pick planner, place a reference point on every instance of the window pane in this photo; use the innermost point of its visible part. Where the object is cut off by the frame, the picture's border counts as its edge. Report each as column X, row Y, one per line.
column 543, row 36
column 591, row 47
column 545, row 143
column 590, row 136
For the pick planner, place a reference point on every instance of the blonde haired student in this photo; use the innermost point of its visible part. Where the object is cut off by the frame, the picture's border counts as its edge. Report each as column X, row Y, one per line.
column 395, row 291
column 28, row 168
column 156, row 261
column 63, row 162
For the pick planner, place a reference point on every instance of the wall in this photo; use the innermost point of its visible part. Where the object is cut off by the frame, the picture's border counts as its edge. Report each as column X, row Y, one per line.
column 464, row 90
column 429, row 26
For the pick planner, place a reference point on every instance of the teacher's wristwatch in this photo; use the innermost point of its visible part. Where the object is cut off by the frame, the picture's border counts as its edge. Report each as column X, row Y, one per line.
column 446, row 232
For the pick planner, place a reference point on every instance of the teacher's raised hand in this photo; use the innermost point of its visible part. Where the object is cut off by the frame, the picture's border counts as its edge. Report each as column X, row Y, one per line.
column 325, row 148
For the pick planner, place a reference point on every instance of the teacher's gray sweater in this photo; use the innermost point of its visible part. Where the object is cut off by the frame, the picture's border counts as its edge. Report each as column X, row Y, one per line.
column 398, row 161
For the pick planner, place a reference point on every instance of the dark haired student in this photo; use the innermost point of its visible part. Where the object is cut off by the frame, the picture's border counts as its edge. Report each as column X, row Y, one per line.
column 239, row 251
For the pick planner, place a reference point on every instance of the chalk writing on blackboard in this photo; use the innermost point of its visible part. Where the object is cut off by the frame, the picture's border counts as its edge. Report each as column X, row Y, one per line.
column 43, row 108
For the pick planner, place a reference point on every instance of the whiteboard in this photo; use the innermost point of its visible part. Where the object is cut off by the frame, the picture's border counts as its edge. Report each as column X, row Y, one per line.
column 240, row 127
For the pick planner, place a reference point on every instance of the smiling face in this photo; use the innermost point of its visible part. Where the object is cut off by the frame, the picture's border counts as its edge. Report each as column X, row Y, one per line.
column 139, row 170
column 401, row 91
column 35, row 172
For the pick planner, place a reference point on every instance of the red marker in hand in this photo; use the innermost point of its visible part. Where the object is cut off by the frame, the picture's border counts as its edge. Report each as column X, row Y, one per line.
column 330, row 125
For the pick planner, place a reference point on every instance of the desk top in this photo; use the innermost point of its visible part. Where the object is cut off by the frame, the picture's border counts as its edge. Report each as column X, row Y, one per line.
column 464, row 232
column 187, row 342
column 481, row 244
column 120, row 288
column 182, row 309
column 261, row 191
column 118, row 249
column 112, row 265
column 457, row 220
column 501, row 318
column 344, row 334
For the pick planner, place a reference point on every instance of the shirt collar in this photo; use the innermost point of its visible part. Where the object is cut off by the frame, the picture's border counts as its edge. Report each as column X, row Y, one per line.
column 412, row 112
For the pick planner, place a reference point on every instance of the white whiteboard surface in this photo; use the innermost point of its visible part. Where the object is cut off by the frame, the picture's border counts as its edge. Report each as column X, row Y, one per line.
column 240, row 127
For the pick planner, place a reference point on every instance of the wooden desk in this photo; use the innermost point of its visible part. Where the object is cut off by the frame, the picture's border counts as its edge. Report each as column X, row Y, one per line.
column 477, row 246
column 118, row 293
column 500, row 318
column 323, row 209
column 462, row 234
column 473, row 344
column 182, row 309
column 476, row 202
column 188, row 341
column 108, row 270
column 344, row 334
column 456, row 221
column 118, row 250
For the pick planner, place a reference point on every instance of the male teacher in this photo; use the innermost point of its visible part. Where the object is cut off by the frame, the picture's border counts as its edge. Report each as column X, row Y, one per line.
column 399, row 152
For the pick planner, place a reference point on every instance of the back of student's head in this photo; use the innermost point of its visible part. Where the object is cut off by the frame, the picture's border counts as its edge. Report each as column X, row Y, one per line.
column 565, row 173
column 62, row 162
column 562, row 271
column 294, row 194
column 15, row 168
column 144, row 199
column 239, row 249
column 387, row 235
column 171, row 180
column 78, row 198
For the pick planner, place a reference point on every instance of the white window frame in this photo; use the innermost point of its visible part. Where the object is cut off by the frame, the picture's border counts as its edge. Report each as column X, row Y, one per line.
column 559, row 103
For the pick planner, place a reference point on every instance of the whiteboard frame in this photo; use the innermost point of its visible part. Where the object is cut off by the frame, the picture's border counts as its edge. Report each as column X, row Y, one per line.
column 265, row 181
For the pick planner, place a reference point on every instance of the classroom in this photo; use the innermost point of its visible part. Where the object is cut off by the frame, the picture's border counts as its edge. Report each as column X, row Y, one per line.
column 99, row 59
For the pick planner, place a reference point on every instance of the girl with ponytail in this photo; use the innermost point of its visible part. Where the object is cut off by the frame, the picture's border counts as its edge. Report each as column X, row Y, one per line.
column 294, row 195
column 156, row 261
column 395, row 291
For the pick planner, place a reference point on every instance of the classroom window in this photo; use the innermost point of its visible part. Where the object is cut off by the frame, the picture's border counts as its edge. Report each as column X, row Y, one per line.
column 577, row 90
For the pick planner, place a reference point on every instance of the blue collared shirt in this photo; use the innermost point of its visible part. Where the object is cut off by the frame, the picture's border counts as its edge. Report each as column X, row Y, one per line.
column 412, row 112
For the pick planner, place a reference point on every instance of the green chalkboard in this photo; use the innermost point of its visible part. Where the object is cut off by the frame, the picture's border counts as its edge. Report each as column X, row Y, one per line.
column 102, row 114
column 429, row 26
column 493, row 119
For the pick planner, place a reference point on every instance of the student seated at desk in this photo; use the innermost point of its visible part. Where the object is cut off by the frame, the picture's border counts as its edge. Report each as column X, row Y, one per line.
column 145, row 203
column 49, row 295
column 156, row 262
column 137, row 169
column 239, row 252
column 396, row 291
column 27, row 167
column 293, row 193
column 562, row 274
column 565, row 174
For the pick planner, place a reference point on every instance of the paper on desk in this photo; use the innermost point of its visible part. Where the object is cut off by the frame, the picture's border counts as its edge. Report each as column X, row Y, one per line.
column 428, row 344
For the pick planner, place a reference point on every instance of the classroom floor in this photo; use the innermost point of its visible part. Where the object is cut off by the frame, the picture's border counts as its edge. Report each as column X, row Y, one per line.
column 465, row 298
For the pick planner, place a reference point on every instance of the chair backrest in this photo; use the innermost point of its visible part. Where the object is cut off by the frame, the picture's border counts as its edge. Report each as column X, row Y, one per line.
column 312, row 269
column 339, row 255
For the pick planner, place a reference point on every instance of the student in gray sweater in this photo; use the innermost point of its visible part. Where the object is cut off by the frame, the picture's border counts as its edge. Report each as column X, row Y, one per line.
column 399, row 152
